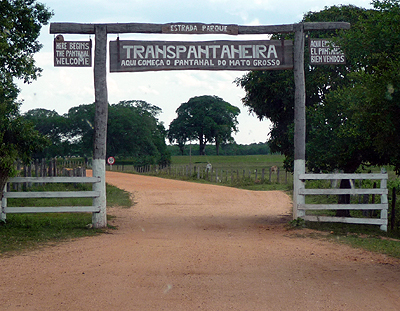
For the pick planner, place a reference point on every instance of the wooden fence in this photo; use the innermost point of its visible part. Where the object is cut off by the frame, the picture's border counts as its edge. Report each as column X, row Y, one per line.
column 53, row 194
column 213, row 174
column 303, row 208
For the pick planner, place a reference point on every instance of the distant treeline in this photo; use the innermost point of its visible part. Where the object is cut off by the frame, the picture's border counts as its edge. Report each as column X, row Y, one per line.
column 225, row 150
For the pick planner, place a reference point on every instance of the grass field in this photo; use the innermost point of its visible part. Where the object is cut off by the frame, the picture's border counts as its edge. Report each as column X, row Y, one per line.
column 246, row 161
column 29, row 231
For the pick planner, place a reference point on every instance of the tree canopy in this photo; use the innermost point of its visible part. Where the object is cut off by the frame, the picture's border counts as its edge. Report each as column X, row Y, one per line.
column 351, row 108
column 206, row 119
column 20, row 24
column 133, row 132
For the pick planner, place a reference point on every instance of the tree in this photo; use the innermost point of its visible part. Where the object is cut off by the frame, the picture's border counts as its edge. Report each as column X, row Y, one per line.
column 80, row 129
column 206, row 119
column 20, row 24
column 375, row 43
column 133, row 131
column 270, row 94
column 50, row 124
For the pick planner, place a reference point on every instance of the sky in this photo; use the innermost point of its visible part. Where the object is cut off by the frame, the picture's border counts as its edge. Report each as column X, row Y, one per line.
column 61, row 88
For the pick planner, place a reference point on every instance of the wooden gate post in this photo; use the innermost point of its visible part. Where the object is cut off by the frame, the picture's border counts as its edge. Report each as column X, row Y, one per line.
column 299, row 118
column 99, row 220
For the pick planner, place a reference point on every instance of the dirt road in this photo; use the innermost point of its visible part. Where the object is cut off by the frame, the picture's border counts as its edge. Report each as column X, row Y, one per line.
column 188, row 246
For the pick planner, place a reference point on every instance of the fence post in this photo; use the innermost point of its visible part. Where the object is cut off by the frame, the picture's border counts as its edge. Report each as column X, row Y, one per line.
column 3, row 215
column 277, row 175
column 384, row 200
column 25, row 184
column 393, row 211
column 298, row 184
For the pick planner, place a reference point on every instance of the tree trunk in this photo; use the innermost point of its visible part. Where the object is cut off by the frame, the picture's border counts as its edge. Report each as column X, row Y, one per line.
column 217, row 147
column 202, row 147
column 182, row 148
column 344, row 198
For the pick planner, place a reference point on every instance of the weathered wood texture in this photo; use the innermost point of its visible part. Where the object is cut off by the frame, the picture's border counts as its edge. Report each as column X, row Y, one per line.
column 99, row 220
column 130, row 56
column 119, row 28
column 101, row 95
column 300, row 95
column 200, row 28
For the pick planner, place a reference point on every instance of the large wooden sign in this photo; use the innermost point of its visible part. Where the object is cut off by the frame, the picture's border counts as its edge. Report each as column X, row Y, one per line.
column 325, row 52
column 72, row 53
column 199, row 28
column 128, row 56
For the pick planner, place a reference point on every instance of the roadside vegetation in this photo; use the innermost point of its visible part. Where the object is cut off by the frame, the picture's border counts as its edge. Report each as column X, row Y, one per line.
column 29, row 231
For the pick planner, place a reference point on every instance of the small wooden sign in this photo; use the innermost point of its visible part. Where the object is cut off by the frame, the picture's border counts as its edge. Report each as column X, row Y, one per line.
column 72, row 53
column 199, row 28
column 325, row 52
column 127, row 55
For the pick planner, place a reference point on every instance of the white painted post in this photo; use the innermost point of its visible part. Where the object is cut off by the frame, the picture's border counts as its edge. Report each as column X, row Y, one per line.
column 3, row 215
column 299, row 119
column 384, row 200
column 99, row 220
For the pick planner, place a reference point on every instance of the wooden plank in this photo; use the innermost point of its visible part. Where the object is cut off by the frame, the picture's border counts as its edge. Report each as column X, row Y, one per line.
column 53, row 209
column 118, row 28
column 343, row 176
column 71, row 28
column 134, row 56
column 342, row 191
column 326, row 25
column 300, row 95
column 133, row 28
column 343, row 206
column 54, row 179
column 99, row 220
column 265, row 29
column 200, row 28
column 54, row 194
column 347, row 220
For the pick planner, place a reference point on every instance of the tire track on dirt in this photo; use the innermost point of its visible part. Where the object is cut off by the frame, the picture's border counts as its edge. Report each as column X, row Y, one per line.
column 188, row 246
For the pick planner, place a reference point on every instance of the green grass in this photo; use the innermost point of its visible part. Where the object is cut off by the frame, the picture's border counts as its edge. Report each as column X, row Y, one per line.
column 227, row 164
column 23, row 232
column 368, row 237
column 246, row 161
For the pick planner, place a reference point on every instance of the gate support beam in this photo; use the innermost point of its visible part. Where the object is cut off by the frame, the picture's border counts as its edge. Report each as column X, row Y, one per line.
column 99, row 220
column 101, row 30
column 299, row 118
